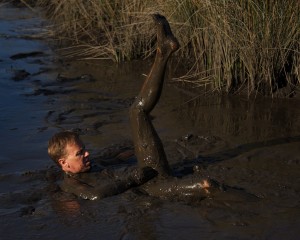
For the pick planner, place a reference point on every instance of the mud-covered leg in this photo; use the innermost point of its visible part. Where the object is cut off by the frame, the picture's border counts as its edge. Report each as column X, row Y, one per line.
column 148, row 146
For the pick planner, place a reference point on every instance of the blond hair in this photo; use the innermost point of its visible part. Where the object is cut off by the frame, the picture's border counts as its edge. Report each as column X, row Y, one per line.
column 57, row 144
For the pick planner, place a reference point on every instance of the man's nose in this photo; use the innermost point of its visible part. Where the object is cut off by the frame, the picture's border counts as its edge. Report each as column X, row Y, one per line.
column 86, row 153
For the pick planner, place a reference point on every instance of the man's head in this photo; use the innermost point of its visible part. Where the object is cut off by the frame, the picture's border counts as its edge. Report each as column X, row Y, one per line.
column 67, row 151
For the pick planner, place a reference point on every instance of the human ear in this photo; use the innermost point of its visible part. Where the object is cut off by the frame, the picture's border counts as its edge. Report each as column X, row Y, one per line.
column 63, row 163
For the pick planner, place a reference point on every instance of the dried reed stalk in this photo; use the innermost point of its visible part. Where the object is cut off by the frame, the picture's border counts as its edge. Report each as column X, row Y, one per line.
column 226, row 45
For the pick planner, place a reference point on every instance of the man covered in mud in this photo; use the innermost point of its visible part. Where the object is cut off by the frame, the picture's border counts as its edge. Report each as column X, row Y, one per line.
column 153, row 170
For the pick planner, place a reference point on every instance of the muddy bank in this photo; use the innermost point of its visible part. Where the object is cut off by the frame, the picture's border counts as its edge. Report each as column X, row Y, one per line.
column 252, row 146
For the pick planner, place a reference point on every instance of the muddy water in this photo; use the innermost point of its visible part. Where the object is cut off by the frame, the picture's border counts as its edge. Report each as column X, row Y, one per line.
column 252, row 146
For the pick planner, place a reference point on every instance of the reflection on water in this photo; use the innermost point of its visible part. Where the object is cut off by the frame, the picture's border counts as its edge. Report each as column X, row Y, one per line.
column 244, row 121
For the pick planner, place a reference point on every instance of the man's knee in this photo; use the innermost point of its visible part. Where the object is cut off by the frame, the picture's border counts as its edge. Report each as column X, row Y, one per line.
column 135, row 111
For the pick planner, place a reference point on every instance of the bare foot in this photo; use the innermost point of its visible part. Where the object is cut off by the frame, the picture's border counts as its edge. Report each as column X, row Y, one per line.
column 166, row 41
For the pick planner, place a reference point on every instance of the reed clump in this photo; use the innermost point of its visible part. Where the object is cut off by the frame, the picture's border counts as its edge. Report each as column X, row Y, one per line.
column 228, row 45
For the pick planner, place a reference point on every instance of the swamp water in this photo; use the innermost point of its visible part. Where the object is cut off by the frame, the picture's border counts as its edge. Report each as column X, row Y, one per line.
column 253, row 146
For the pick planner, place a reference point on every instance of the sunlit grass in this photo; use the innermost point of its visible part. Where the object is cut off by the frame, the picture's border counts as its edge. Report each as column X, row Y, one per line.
column 226, row 45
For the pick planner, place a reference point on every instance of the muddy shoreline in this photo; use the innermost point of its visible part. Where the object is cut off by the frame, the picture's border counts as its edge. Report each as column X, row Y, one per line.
column 251, row 145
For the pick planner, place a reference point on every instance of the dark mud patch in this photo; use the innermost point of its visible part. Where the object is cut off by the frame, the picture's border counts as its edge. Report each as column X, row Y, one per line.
column 26, row 55
column 20, row 75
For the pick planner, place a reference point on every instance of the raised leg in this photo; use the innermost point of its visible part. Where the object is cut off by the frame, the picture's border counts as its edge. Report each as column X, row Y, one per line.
column 148, row 146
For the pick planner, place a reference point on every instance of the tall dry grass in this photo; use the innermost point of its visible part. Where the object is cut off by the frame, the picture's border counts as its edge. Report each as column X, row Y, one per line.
column 101, row 29
column 229, row 45
column 241, row 43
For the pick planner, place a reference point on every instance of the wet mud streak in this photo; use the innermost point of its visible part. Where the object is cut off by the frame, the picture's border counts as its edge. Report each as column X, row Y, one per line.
column 26, row 55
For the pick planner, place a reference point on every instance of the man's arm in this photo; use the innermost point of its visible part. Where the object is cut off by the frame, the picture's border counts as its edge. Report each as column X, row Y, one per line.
column 107, row 187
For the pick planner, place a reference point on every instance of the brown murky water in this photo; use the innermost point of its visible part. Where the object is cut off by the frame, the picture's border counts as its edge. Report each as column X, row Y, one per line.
column 253, row 146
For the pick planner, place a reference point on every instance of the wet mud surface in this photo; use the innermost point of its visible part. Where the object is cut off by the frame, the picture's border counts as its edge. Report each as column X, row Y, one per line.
column 251, row 146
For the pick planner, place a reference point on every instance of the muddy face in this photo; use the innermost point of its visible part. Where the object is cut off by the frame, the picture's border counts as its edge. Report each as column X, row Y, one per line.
column 76, row 159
